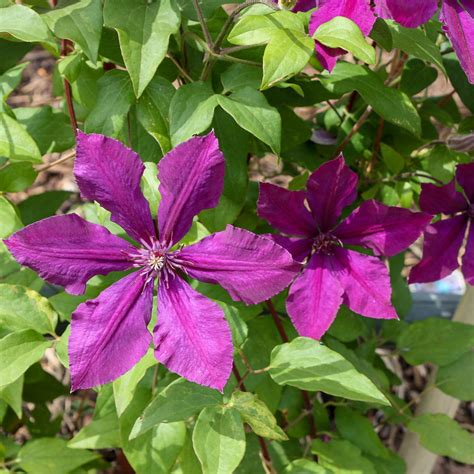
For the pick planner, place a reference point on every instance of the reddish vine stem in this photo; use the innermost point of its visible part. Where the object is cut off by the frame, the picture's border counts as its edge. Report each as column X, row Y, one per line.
column 66, row 46
column 308, row 405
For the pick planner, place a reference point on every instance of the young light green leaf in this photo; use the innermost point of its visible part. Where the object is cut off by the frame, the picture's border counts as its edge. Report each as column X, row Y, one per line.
column 305, row 466
column 305, row 363
column 10, row 80
column 9, row 220
column 457, row 378
column 219, row 440
column 443, row 436
column 12, row 395
column 341, row 32
column 22, row 308
column 144, row 32
column 15, row 142
column 17, row 177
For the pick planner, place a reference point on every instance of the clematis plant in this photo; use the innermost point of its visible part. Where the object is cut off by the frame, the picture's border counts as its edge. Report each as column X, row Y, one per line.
column 332, row 273
column 109, row 334
column 444, row 239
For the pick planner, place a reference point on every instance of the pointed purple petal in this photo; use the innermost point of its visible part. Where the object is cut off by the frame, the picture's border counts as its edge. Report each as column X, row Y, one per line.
column 108, row 172
column 315, row 296
column 191, row 180
column 192, row 337
column 300, row 249
column 68, row 251
column 465, row 178
column 358, row 11
column 366, row 283
column 109, row 335
column 468, row 257
column 386, row 230
column 443, row 241
column 250, row 267
column 285, row 210
column 409, row 13
column 331, row 188
column 441, row 199
column 459, row 27
column 305, row 5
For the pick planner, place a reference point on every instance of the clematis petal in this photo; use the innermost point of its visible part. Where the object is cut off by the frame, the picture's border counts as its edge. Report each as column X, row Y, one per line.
column 386, row 230
column 459, row 27
column 441, row 199
column 465, row 177
column 468, row 257
column 358, row 11
column 443, row 241
column 366, row 284
column 315, row 296
column 68, row 251
column 109, row 335
column 305, row 5
column 108, row 172
column 285, row 210
column 299, row 248
column 250, row 267
column 408, row 13
column 191, row 180
column 331, row 188
column 192, row 337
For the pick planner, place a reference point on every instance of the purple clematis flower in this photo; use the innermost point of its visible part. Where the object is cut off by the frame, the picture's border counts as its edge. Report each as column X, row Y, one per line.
column 299, row 5
column 333, row 274
column 443, row 239
column 109, row 334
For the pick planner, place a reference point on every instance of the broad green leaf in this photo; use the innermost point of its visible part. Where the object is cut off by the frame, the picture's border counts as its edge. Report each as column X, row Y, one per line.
column 197, row 232
column 40, row 206
column 17, row 177
column 24, row 24
column 12, row 52
column 15, row 142
column 341, row 457
column 208, row 8
column 238, row 76
column 219, row 440
column 70, row 66
column 150, row 186
column 178, row 401
column 153, row 111
column 286, row 54
column 417, row 76
column 457, row 378
column 341, row 32
column 144, row 29
column 9, row 220
column 79, row 21
column 22, row 308
column 12, row 394
column 61, row 347
column 191, row 111
column 250, row 109
column 443, row 436
column 435, row 340
column 18, row 351
column 10, row 80
column 305, row 466
column 237, row 324
column 392, row 159
column 348, row 325
column 305, row 363
column 256, row 414
column 51, row 455
column 459, row 80
column 391, row 104
column 115, row 98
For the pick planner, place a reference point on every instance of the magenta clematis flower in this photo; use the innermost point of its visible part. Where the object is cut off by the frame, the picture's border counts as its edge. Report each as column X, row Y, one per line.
column 333, row 274
column 109, row 334
column 443, row 239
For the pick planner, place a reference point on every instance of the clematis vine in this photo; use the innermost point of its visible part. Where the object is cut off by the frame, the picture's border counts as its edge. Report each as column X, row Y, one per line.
column 444, row 239
column 109, row 334
column 333, row 274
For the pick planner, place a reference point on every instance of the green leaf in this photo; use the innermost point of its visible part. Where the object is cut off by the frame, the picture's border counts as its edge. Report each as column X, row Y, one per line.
column 114, row 100
column 79, row 21
column 18, row 351
column 443, row 436
column 191, row 111
column 348, row 325
column 17, row 177
column 144, row 30
column 178, row 401
column 10, row 80
column 305, row 363
column 12, row 395
column 51, row 455
column 250, row 109
column 341, row 32
column 457, row 378
column 40, row 206
column 9, row 220
column 25, row 24
column 238, row 76
column 341, row 457
column 22, row 308
column 219, row 440
column 15, row 142
column 393, row 160
column 435, row 340
column 391, row 104
column 153, row 111
column 305, row 466
column 256, row 414
column 150, row 186
column 70, row 66
column 286, row 54
column 459, row 80
column 417, row 76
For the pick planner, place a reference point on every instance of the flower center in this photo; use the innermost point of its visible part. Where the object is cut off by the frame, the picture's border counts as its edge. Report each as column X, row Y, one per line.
column 151, row 258
column 325, row 243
